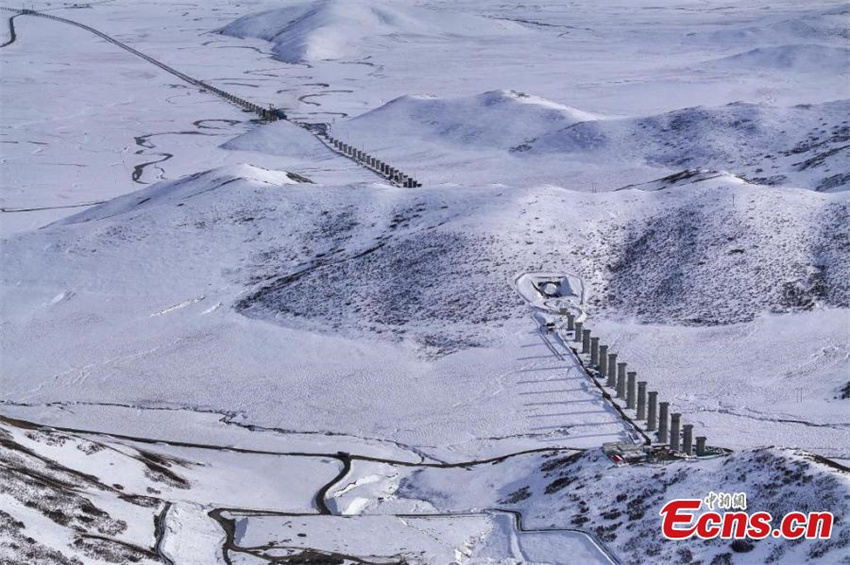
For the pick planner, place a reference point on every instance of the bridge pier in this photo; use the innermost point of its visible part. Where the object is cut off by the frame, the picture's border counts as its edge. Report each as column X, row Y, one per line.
column 594, row 351
column 663, row 420
column 700, row 446
column 688, row 439
column 651, row 413
column 675, row 424
column 621, row 380
column 612, row 370
column 641, row 400
column 631, row 383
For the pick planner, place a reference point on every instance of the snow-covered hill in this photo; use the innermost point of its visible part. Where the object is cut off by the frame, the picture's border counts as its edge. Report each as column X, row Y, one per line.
column 290, row 359
column 498, row 119
column 504, row 135
column 803, row 58
column 337, row 29
column 802, row 146
column 73, row 497
column 208, row 262
column 705, row 248
column 621, row 505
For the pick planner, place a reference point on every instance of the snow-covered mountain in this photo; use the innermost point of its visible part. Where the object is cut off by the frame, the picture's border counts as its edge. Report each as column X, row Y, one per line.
column 498, row 119
column 803, row 146
column 337, row 29
column 224, row 341
column 621, row 505
column 507, row 135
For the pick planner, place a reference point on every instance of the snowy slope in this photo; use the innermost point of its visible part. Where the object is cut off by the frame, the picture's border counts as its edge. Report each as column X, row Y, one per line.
column 803, row 146
column 684, row 164
column 620, row 505
column 337, row 29
column 498, row 119
column 423, row 276
column 505, row 136
column 97, row 499
column 803, row 58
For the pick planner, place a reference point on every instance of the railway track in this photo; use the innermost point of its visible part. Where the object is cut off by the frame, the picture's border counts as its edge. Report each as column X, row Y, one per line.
column 269, row 114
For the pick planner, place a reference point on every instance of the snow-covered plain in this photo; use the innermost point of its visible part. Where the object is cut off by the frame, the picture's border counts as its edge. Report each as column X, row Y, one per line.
column 272, row 334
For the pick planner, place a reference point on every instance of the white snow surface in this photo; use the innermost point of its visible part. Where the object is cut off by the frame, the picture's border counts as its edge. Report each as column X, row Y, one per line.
column 337, row 29
column 244, row 310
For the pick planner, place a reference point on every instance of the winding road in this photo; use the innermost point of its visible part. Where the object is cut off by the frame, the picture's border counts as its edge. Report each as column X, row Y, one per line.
column 225, row 516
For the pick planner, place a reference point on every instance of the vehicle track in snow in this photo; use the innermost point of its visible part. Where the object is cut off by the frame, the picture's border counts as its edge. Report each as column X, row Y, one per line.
column 159, row 526
column 12, row 35
column 346, row 460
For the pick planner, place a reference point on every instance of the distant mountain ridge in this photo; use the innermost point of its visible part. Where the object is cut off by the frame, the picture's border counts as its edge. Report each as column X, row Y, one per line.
column 336, row 29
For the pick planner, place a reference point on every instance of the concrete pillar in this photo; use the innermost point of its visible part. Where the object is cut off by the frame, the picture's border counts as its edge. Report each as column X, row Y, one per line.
column 571, row 322
column 700, row 446
column 603, row 360
column 675, row 431
column 612, row 370
column 594, row 351
column 585, row 341
column 663, row 421
column 641, row 400
column 652, row 411
column 631, row 393
column 688, row 439
column 621, row 380
column 577, row 336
